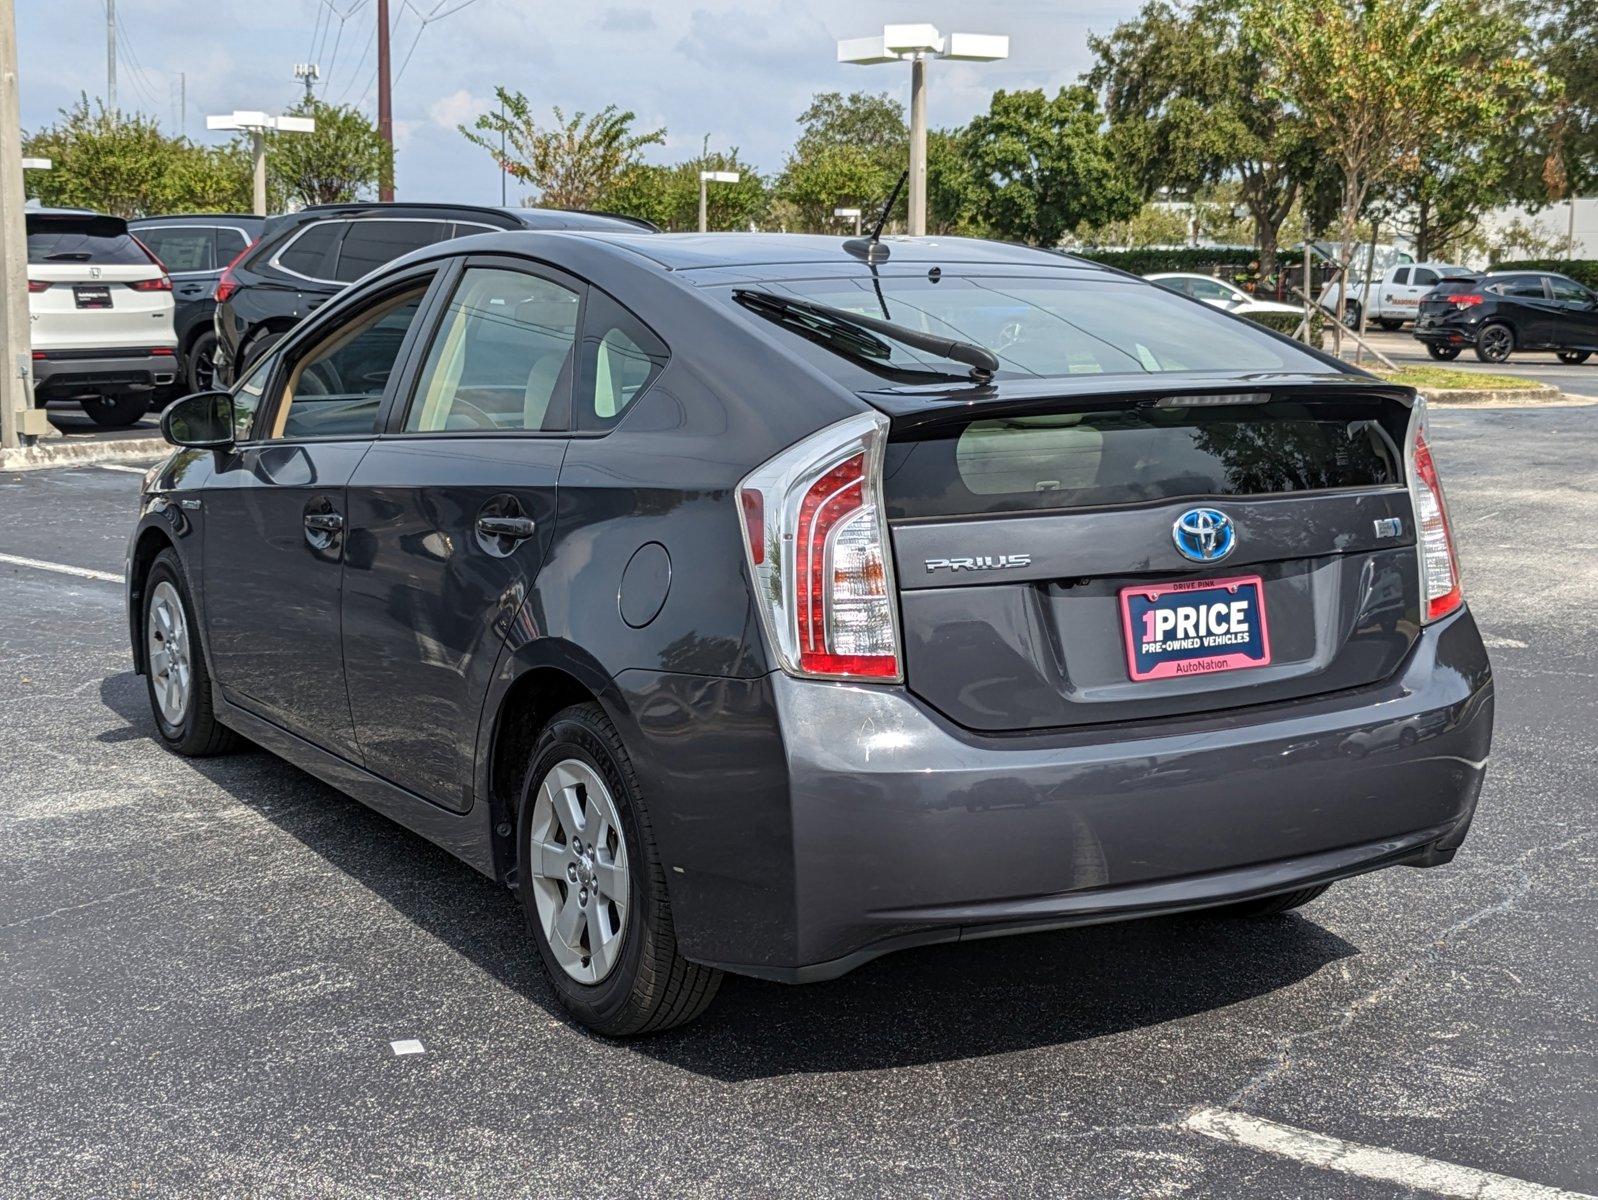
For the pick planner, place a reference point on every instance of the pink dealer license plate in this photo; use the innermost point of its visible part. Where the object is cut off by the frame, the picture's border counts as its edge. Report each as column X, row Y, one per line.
column 1195, row 627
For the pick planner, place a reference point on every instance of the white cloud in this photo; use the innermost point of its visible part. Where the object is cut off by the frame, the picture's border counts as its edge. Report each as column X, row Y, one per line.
column 458, row 108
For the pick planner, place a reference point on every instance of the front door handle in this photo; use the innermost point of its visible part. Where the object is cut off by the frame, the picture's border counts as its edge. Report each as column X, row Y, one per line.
column 514, row 528
column 324, row 522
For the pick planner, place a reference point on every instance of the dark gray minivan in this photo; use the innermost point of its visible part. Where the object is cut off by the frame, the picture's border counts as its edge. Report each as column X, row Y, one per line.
column 765, row 603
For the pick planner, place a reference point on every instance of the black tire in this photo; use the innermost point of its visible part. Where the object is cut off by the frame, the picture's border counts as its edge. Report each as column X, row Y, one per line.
column 198, row 734
column 1573, row 357
column 115, row 411
column 1351, row 315
column 1388, row 324
column 255, row 348
column 199, row 368
column 1270, row 906
column 652, row 987
column 1495, row 343
column 1442, row 353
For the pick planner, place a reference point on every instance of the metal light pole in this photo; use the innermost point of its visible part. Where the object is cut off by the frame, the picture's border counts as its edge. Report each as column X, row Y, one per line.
column 385, row 103
column 915, row 44
column 706, row 178
column 111, row 55
column 846, row 214
column 256, row 124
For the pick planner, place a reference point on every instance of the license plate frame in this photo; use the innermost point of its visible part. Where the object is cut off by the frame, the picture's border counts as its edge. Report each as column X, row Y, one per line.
column 1216, row 651
column 91, row 295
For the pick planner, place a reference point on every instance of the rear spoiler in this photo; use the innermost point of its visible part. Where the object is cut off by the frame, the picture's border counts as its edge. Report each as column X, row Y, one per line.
column 918, row 408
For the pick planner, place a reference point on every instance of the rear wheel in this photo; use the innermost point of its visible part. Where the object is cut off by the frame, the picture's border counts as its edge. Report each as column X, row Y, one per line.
column 256, row 347
column 1442, row 353
column 1574, row 357
column 174, row 666
column 199, row 370
column 114, row 411
column 1495, row 343
column 1269, row 906
column 593, row 888
column 1351, row 315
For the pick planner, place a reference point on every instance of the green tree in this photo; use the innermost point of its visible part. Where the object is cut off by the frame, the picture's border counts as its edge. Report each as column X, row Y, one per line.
column 669, row 195
column 1379, row 82
column 954, row 190
column 850, row 152
column 344, row 159
column 1567, row 48
column 1045, row 167
column 1183, row 88
column 573, row 163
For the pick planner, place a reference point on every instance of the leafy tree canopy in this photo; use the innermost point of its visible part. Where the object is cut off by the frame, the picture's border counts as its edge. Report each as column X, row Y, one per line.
column 344, row 159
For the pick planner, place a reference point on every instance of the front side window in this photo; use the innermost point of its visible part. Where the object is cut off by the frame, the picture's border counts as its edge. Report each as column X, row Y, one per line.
column 501, row 357
column 1402, row 275
column 1209, row 289
column 1568, row 289
column 336, row 388
column 181, row 247
column 369, row 244
column 1424, row 278
column 621, row 358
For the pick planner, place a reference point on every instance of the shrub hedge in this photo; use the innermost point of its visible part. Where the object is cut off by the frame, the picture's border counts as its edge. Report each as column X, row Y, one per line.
column 1582, row 270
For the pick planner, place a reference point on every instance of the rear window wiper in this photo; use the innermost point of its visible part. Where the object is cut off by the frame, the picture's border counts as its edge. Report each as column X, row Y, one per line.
column 854, row 336
column 69, row 256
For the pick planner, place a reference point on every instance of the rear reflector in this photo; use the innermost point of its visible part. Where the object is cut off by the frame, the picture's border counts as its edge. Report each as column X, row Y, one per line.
column 817, row 543
column 1441, row 589
column 164, row 352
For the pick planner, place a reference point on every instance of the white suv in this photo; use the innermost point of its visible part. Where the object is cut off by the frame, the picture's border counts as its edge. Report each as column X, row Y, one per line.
column 101, row 313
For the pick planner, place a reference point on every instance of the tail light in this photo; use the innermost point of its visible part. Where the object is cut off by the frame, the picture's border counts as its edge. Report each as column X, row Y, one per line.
column 159, row 284
column 816, row 536
column 1465, row 299
column 38, row 285
column 228, row 283
column 1441, row 589
column 163, row 352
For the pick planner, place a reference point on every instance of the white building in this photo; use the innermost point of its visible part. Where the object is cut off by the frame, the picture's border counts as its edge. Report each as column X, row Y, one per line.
column 1566, row 223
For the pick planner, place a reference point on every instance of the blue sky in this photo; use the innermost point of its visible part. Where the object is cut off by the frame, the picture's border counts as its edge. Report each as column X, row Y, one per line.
column 738, row 71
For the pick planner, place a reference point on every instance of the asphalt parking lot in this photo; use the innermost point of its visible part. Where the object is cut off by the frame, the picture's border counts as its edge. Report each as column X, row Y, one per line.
column 203, row 965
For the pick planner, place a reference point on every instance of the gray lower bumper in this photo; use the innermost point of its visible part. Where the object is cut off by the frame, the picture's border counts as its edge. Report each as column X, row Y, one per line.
column 63, row 377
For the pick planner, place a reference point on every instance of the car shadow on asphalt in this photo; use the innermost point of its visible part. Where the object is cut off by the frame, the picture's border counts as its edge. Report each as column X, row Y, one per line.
column 928, row 1005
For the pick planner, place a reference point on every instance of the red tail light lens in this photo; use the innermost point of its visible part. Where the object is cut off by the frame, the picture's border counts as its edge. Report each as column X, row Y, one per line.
column 163, row 352
column 162, row 284
column 228, row 284
column 817, row 543
column 1465, row 299
column 38, row 285
column 1441, row 589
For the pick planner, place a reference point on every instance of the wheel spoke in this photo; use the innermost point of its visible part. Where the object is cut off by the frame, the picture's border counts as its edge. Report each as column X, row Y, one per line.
column 568, row 808
column 601, row 943
column 569, row 922
column 548, row 860
column 612, row 880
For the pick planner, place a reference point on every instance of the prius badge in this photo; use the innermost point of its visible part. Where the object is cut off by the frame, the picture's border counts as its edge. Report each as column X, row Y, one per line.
column 986, row 562
column 1204, row 534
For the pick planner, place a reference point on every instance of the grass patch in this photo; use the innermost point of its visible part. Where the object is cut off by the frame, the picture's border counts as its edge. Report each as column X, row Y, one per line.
column 1448, row 377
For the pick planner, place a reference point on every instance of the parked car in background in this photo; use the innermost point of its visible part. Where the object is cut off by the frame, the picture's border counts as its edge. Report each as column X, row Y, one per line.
column 1221, row 294
column 196, row 248
column 303, row 259
column 1395, row 297
column 100, row 315
column 1499, row 314
column 743, row 605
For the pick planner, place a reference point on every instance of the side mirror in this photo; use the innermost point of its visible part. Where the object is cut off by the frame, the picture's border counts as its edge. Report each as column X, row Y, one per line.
column 203, row 421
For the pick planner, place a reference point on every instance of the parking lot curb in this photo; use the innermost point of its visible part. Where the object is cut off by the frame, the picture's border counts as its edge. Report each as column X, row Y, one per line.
column 61, row 453
column 1522, row 397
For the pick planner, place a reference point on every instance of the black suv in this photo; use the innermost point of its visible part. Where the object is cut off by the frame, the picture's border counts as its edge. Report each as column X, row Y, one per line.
column 304, row 258
column 1501, row 313
column 196, row 248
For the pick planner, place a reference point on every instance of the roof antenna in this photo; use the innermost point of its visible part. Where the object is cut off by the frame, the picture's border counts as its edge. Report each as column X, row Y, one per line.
column 871, row 249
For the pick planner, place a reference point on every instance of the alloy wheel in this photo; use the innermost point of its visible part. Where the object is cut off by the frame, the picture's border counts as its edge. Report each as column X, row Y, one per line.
column 167, row 644
column 1495, row 343
column 578, row 870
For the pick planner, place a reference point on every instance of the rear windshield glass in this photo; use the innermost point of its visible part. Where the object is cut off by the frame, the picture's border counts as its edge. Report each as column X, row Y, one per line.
column 1043, row 326
column 1139, row 455
column 72, row 246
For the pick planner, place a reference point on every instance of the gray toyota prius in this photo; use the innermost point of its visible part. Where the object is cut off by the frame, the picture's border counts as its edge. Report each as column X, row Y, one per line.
column 768, row 603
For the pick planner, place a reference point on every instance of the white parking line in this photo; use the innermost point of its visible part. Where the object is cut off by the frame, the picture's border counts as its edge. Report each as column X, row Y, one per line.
column 39, row 564
column 407, row 1046
column 1367, row 1162
column 120, row 467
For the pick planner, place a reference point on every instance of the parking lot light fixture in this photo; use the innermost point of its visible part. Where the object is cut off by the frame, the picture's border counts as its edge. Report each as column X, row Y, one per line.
column 915, row 44
column 256, row 124
column 706, row 178
column 848, row 214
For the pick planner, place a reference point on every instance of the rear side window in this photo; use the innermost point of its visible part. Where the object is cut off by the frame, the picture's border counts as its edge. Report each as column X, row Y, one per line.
column 230, row 243
column 310, row 253
column 68, row 245
column 1140, row 455
column 369, row 244
column 181, row 247
column 620, row 359
column 1424, row 278
column 1528, row 287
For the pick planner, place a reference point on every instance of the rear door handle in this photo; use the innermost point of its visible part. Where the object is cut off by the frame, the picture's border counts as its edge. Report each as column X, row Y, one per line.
column 515, row 528
column 324, row 522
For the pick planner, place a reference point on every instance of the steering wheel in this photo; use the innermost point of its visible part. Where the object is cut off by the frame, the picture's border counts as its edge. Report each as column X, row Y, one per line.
column 477, row 418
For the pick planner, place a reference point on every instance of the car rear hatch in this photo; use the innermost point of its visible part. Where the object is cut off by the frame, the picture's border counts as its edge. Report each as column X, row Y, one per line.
column 1036, row 537
column 93, row 287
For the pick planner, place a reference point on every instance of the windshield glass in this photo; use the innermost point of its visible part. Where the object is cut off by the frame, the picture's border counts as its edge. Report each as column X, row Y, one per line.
column 1040, row 326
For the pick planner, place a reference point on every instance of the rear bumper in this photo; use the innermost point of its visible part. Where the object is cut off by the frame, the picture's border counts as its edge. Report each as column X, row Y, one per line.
column 1446, row 333
column 879, row 825
column 70, row 373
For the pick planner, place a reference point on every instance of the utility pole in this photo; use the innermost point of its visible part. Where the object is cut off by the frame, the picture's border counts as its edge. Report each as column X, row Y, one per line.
column 18, row 417
column 307, row 73
column 111, row 55
column 385, row 102
column 183, row 103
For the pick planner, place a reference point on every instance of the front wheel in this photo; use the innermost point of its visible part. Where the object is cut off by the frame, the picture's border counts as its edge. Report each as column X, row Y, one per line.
column 1442, row 353
column 1351, row 316
column 174, row 666
column 1574, row 357
column 1494, row 343
column 593, row 888
column 1269, row 906
column 115, row 412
